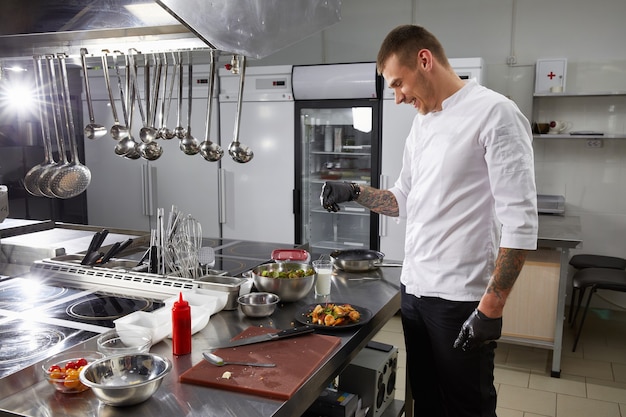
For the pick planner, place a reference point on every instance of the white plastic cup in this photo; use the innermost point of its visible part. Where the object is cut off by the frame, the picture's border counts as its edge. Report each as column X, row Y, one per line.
column 323, row 270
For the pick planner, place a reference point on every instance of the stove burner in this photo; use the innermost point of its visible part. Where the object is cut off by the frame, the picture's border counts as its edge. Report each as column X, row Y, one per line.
column 234, row 266
column 23, row 344
column 257, row 250
column 105, row 307
column 19, row 296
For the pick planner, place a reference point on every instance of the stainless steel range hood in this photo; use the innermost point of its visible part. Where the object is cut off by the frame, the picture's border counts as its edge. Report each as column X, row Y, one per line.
column 255, row 28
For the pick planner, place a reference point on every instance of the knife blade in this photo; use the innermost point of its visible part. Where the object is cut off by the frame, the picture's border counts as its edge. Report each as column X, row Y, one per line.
column 283, row 334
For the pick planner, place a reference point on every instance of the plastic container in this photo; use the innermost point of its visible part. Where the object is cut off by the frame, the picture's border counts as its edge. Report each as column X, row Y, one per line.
column 181, row 327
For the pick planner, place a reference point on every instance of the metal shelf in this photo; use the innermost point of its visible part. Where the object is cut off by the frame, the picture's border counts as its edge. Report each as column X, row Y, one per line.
column 588, row 94
column 568, row 136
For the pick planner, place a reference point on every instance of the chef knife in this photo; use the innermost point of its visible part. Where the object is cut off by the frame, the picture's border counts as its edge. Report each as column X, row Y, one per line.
column 295, row 331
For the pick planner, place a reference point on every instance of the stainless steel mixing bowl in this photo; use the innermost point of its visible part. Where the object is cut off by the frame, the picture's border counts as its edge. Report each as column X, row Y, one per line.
column 126, row 379
column 288, row 289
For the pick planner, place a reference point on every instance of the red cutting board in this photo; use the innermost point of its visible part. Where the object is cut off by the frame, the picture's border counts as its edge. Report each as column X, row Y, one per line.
column 296, row 358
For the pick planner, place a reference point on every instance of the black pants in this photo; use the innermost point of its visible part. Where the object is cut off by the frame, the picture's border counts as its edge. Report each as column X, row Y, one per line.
column 445, row 382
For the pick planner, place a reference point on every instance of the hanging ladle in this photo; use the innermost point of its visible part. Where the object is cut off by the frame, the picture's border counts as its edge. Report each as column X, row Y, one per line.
column 31, row 179
column 150, row 149
column 188, row 144
column 93, row 130
column 147, row 133
column 210, row 151
column 238, row 152
column 117, row 130
column 179, row 130
column 165, row 132
column 127, row 147
column 73, row 178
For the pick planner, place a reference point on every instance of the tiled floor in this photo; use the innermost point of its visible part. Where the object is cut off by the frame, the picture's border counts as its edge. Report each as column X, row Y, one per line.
column 592, row 382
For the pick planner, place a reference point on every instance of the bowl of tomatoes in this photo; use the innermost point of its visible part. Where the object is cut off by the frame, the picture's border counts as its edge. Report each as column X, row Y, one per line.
column 62, row 371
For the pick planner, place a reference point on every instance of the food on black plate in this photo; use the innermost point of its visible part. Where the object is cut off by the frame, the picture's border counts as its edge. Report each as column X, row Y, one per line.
column 334, row 315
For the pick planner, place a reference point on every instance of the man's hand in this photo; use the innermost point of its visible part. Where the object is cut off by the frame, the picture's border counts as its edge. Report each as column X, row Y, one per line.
column 335, row 192
column 477, row 330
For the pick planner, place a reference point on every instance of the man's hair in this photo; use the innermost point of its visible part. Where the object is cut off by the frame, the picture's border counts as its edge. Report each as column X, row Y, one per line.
column 405, row 41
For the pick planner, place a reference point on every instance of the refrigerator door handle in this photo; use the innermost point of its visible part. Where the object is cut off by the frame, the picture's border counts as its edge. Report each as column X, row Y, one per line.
column 221, row 195
column 382, row 224
column 144, row 197
column 147, row 190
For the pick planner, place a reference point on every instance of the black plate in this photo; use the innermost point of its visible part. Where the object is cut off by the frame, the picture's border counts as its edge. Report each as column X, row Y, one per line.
column 302, row 317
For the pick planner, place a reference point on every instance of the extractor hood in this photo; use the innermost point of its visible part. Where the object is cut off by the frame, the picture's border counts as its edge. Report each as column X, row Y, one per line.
column 254, row 28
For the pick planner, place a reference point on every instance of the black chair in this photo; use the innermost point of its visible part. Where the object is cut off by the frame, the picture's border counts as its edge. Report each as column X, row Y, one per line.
column 597, row 261
column 594, row 279
column 584, row 261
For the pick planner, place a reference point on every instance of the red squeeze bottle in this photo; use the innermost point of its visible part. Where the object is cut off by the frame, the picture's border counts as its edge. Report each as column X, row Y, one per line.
column 181, row 327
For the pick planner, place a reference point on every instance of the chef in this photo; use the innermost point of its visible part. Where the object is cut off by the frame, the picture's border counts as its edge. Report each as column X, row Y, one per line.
column 467, row 190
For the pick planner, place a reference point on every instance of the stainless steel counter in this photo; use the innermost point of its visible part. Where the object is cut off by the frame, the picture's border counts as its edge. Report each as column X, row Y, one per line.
column 380, row 295
column 559, row 231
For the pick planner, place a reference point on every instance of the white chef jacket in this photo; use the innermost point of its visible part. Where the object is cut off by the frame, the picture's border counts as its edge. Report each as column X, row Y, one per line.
column 467, row 186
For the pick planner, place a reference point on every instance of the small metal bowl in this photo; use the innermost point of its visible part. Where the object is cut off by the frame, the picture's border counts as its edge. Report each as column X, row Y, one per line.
column 124, row 342
column 126, row 379
column 65, row 378
column 258, row 304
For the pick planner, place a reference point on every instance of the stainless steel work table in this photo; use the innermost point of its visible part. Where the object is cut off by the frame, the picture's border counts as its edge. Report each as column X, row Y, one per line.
column 380, row 295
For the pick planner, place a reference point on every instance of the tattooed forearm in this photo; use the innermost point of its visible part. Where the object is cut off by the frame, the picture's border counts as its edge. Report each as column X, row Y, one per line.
column 379, row 201
column 508, row 266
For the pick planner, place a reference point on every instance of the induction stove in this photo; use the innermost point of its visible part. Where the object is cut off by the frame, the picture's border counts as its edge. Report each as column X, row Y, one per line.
column 25, row 342
column 39, row 318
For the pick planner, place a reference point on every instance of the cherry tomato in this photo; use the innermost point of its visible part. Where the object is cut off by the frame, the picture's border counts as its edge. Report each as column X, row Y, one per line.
column 71, row 378
column 71, row 365
column 54, row 368
column 81, row 362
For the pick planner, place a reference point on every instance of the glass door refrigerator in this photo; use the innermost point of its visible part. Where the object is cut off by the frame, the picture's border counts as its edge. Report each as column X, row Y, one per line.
column 337, row 135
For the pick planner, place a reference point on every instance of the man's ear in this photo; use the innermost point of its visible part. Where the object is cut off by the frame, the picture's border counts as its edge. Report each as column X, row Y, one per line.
column 425, row 59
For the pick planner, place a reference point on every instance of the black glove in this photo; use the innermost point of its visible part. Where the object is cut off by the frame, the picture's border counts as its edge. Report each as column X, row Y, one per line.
column 477, row 330
column 335, row 192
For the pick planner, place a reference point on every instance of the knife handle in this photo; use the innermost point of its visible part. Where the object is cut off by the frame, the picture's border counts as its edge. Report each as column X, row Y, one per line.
column 294, row 331
column 91, row 248
column 123, row 246
column 103, row 236
column 110, row 253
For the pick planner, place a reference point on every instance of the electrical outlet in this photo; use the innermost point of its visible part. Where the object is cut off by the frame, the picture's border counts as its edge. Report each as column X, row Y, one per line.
column 594, row 143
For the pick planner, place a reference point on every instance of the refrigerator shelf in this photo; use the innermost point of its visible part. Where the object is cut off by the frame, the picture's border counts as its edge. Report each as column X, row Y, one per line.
column 334, row 245
column 344, row 211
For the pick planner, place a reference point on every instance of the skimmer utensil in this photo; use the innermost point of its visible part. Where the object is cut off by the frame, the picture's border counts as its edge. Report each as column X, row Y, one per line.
column 73, row 178
column 45, row 178
column 31, row 179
